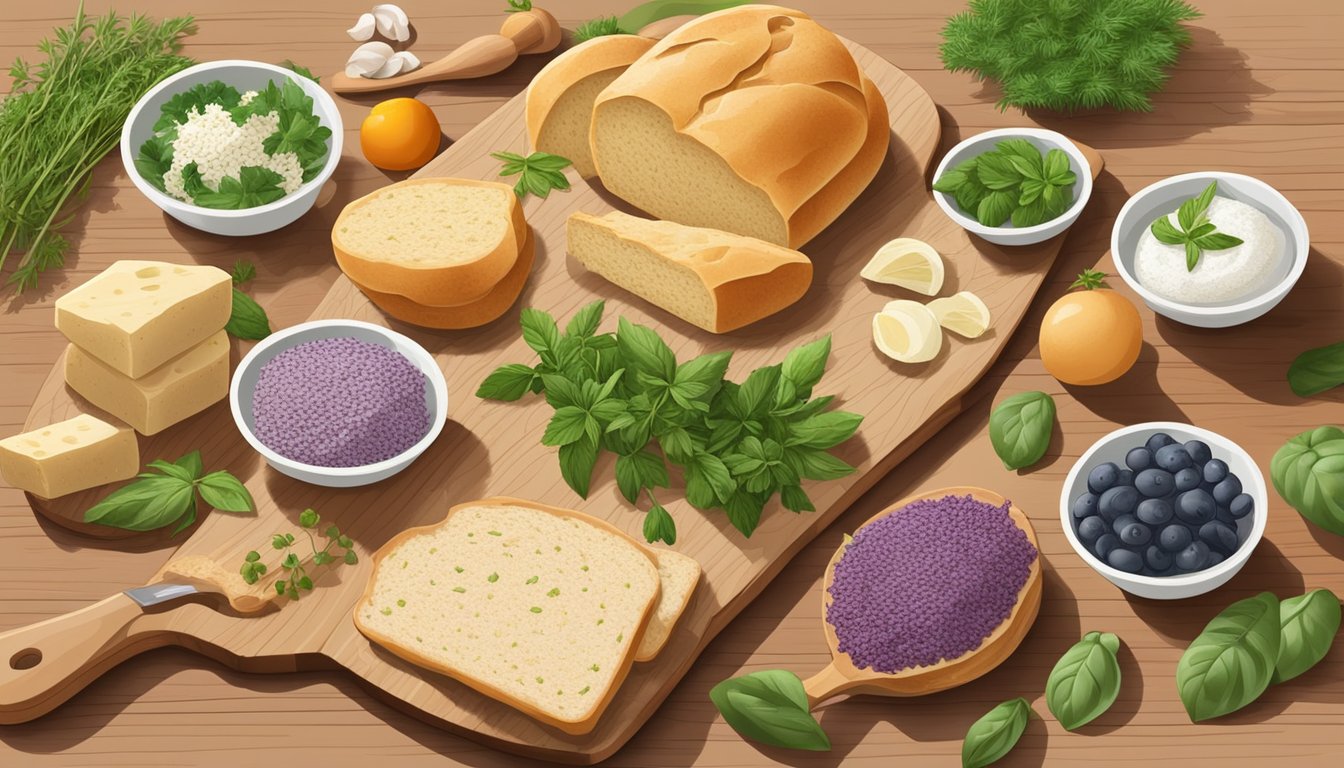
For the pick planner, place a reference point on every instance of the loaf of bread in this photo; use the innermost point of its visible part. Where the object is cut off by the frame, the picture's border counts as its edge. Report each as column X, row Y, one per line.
column 440, row 242
column 539, row 607
column 677, row 576
column 754, row 120
column 712, row 279
column 560, row 98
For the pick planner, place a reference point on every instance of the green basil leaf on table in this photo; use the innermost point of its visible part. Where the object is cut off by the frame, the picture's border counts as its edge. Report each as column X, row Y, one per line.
column 805, row 365
column 143, row 505
column 1020, row 427
column 226, row 493
column 1317, row 370
column 995, row 734
column 507, row 382
column 247, row 320
column 171, row 469
column 1085, row 681
column 1308, row 472
column 584, row 322
column 659, row 526
column 1232, row 661
column 1308, row 624
column 770, row 707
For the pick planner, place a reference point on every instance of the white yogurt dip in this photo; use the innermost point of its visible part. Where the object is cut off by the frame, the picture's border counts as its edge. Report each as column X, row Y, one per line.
column 1221, row 277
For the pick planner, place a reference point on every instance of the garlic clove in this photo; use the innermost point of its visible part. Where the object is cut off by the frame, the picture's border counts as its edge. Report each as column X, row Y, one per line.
column 392, row 22
column 363, row 29
column 391, row 67
column 368, row 59
column 409, row 61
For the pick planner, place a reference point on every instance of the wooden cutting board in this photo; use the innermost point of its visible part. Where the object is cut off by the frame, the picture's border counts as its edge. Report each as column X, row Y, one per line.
column 493, row 448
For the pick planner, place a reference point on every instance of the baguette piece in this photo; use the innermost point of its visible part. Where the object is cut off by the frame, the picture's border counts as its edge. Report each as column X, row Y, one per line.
column 741, row 120
column 560, row 98
column 539, row 607
column 677, row 575
column 712, row 279
column 437, row 241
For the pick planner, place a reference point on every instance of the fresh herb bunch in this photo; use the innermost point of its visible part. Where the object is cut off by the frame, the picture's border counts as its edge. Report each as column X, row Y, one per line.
column 518, row 6
column 631, row 22
column 299, row 131
column 301, row 70
column 737, row 444
column 538, row 173
column 1013, row 182
column 1069, row 54
column 294, row 566
column 63, row 116
column 601, row 26
column 247, row 320
column 157, row 499
column 770, row 707
column 1196, row 232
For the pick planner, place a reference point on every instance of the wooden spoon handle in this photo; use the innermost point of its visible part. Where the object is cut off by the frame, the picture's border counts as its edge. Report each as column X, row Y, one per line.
column 825, row 684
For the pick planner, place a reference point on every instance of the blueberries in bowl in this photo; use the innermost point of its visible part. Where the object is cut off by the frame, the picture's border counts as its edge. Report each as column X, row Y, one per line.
column 1171, row 509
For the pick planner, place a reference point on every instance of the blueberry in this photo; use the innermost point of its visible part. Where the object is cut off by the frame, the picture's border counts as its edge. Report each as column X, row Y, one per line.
column 1085, row 505
column 1104, row 544
column 1175, row 537
column 1134, row 533
column 1126, row 477
column 1188, row 479
column 1199, row 451
column 1225, row 517
column 1139, row 459
column 1195, row 507
column 1155, row 483
column 1126, row 560
column 1102, row 477
column 1091, row 528
column 1173, row 458
column 1158, row 442
column 1227, row 490
column 1154, row 511
column 1214, row 559
column 1194, row 557
column 1157, row 558
column 1215, row 470
column 1241, row 506
column 1219, row 537
column 1117, row 501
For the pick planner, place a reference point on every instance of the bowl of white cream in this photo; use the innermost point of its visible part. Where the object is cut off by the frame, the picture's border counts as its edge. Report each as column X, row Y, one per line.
column 1229, row 257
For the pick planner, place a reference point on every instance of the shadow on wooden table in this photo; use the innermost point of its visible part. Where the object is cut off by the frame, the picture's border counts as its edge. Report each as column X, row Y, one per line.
column 1135, row 397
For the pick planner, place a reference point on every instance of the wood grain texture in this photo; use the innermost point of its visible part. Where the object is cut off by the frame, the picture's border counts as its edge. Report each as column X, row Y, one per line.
column 1260, row 92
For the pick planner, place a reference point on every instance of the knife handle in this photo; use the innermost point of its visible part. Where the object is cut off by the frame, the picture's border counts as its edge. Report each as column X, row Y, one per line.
column 44, row 664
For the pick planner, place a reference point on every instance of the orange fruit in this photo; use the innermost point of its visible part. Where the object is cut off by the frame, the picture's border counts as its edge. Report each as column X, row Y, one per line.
column 1090, row 336
column 399, row 135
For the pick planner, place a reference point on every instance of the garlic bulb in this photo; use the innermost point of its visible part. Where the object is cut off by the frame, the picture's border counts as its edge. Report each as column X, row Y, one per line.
column 363, row 29
column 392, row 22
column 370, row 58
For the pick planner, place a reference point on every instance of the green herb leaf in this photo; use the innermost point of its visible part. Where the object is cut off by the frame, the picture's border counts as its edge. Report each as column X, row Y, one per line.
column 1020, row 427
column 996, row 208
column 584, row 323
column 1232, row 661
column 247, row 320
column 539, row 330
column 953, row 178
column 225, row 492
column 300, row 70
column 708, row 481
column 1057, row 168
column 744, row 511
column 1317, row 370
column 645, row 352
column 309, row 518
column 538, row 173
column 154, row 160
column 1165, row 232
column 770, row 707
column 824, row 430
column 637, row 471
column 350, row 557
column 518, row 5
column 508, row 382
column 1085, row 681
column 599, row 27
column 805, row 365
column 1216, row 241
column 567, row 425
column 795, row 499
column 1308, row 625
column 816, row 464
column 996, row 172
column 255, row 186
column 995, row 734
column 1308, row 472
column 243, row 272
column 659, row 526
column 144, row 504
column 577, row 460
column 174, row 111
column 1189, row 213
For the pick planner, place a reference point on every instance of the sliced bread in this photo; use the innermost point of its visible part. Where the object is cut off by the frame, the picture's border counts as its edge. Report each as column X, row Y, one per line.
column 442, row 242
column 560, row 98
column 539, row 607
column 712, row 279
column 677, row 576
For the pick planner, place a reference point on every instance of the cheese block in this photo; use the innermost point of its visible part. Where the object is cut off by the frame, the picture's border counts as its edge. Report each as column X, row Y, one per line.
column 68, row 456
column 677, row 576
column 181, row 387
column 136, row 315
column 539, row 607
column 712, row 279
column 560, row 98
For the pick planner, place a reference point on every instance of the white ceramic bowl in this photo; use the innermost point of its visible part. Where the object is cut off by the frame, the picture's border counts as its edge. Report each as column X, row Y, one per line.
column 243, row 75
column 1044, row 141
column 1165, row 196
column 1250, row 529
column 245, row 382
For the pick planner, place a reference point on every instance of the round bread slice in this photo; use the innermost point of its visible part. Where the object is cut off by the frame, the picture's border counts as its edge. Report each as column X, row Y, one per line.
column 438, row 241
column 560, row 98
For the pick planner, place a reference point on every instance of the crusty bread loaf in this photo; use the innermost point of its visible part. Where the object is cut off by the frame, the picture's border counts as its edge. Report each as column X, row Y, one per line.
column 712, row 279
column 677, row 576
column 754, row 120
column 560, row 98
column 539, row 607
column 437, row 241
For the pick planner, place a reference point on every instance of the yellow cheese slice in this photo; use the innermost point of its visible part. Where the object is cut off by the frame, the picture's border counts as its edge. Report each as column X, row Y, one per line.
column 68, row 456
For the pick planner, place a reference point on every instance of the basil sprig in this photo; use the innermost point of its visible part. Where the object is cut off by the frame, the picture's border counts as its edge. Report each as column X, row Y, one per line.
column 167, row 495
column 770, row 707
column 1020, row 427
column 247, row 320
column 1013, row 182
column 538, row 173
column 1196, row 233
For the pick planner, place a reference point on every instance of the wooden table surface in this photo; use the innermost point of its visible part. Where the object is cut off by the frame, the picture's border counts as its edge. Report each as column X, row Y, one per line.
column 1260, row 92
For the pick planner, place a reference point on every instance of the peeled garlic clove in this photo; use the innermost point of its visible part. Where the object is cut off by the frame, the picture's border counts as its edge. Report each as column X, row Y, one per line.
column 368, row 59
column 391, row 67
column 392, row 22
column 409, row 62
column 363, row 29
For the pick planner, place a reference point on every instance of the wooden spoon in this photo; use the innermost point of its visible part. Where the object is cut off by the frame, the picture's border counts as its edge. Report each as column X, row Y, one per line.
column 841, row 676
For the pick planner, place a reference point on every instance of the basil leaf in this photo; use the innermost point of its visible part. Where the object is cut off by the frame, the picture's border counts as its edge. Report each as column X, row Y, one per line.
column 585, row 321
column 995, row 734
column 970, row 193
column 144, row 504
column 645, row 351
column 816, row 464
column 172, row 470
column 1030, row 214
column 755, row 394
column 247, row 319
column 1308, row 472
column 1030, row 169
column 1020, row 427
column 1031, row 192
column 225, row 492
column 1308, row 624
column 1085, row 681
column 794, row 499
column 805, row 365
column 659, row 526
column 1214, row 241
column 996, row 207
column 1020, row 148
column 996, row 172
column 637, row 471
column 824, row 430
column 507, row 382
column 1166, row 232
column 744, row 511
column 1232, row 661
column 576, row 464
column 1192, row 254
column 708, row 482
column 1317, row 370
column 1188, row 215
column 154, row 160
column 539, row 330
column 1057, row 168
column 770, row 707
column 567, row 426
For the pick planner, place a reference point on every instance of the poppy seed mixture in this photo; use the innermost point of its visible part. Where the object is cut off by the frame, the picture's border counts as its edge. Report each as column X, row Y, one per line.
column 927, row 582
column 339, row 402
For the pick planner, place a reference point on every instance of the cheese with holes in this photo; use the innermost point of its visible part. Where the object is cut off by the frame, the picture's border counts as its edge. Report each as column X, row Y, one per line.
column 181, row 387
column 69, row 456
column 137, row 315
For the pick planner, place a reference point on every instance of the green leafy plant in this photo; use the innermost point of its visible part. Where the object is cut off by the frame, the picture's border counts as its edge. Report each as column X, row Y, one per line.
column 168, row 495
column 247, row 320
column 301, row 70
column 1195, row 232
column 1308, row 624
column 538, row 173
column 1013, row 182
column 995, row 734
column 770, row 707
column 296, row 568
column 1069, row 54
column 1020, row 427
column 1232, row 661
column 642, row 15
column 1085, row 681
column 598, row 27
column 518, row 6
column 1308, row 472
column 737, row 444
column 63, row 116
column 1317, row 370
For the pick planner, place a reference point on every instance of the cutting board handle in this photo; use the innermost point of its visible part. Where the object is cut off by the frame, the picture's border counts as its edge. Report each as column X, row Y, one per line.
column 827, row 683
column 44, row 664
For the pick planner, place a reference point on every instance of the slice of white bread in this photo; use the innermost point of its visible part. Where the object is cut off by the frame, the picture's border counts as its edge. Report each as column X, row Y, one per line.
column 677, row 575
column 712, row 279
column 539, row 607
column 437, row 241
column 754, row 120
column 560, row 98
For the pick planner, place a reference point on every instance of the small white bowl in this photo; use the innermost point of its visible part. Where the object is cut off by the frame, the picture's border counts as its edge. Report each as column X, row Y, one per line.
column 1250, row 529
column 243, row 75
column 1165, row 196
column 245, row 382
column 1044, row 141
